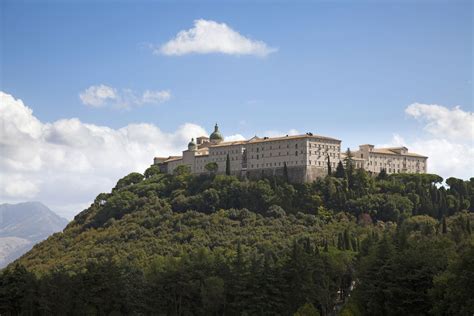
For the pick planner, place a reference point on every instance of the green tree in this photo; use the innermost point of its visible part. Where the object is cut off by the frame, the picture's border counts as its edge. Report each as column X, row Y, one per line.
column 382, row 174
column 211, row 167
column 153, row 170
column 340, row 172
column 227, row 165
column 285, row 172
column 329, row 165
column 307, row 309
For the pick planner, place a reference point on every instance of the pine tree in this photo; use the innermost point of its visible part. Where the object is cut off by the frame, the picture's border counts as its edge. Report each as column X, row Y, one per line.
column 227, row 165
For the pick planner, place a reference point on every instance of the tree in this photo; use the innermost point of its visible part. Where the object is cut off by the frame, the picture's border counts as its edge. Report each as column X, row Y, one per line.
column 307, row 309
column 212, row 294
column 340, row 172
column 382, row 174
column 182, row 170
column 227, row 165
column 444, row 229
column 132, row 178
column 349, row 164
column 152, row 171
column 452, row 291
column 211, row 167
column 285, row 172
column 329, row 165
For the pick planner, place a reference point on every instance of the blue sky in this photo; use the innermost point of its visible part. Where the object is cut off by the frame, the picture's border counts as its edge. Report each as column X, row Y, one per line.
column 341, row 64
column 380, row 72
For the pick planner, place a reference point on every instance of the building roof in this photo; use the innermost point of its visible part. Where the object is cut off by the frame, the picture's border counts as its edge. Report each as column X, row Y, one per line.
column 390, row 151
column 173, row 158
column 255, row 139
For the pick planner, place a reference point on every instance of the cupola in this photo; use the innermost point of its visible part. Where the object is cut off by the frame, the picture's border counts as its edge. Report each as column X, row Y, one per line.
column 192, row 145
column 216, row 136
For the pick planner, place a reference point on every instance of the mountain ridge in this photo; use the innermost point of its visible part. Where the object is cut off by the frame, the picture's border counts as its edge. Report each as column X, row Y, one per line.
column 24, row 224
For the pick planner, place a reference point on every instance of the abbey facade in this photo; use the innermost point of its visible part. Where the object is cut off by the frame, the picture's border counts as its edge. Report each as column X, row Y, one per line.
column 306, row 157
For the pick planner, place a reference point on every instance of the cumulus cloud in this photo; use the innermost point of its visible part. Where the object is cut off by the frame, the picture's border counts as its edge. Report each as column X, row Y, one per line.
column 272, row 133
column 103, row 95
column 97, row 96
column 66, row 163
column 212, row 37
column 443, row 122
column 235, row 137
column 449, row 141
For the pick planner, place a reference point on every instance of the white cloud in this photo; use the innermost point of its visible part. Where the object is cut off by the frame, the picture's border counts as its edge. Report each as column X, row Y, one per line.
column 449, row 142
column 66, row 163
column 98, row 95
column 103, row 95
column 235, row 137
column 291, row 132
column 443, row 122
column 156, row 96
column 212, row 37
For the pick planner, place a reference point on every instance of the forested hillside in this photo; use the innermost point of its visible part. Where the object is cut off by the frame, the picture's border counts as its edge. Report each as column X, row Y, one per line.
column 215, row 244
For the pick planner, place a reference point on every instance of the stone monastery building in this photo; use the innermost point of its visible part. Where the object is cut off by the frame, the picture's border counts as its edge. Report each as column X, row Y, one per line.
column 306, row 157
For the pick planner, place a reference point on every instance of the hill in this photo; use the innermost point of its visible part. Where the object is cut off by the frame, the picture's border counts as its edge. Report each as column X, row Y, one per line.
column 24, row 224
column 212, row 244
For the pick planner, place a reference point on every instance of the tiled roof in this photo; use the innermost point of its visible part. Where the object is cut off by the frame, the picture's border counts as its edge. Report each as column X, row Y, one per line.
column 272, row 139
column 389, row 151
column 173, row 158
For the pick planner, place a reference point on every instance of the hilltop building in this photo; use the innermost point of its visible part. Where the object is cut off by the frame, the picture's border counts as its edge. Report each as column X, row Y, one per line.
column 306, row 157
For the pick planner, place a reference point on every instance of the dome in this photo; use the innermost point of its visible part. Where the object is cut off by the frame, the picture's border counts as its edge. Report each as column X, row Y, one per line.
column 216, row 136
column 192, row 145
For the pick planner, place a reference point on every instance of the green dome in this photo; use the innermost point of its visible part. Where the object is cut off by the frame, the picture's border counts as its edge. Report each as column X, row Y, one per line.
column 216, row 135
column 192, row 145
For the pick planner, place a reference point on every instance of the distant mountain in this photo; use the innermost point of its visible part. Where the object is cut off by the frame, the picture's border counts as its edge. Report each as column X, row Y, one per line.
column 24, row 224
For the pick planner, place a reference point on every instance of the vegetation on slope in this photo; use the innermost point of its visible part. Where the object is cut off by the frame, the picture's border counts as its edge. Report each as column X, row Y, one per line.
column 213, row 244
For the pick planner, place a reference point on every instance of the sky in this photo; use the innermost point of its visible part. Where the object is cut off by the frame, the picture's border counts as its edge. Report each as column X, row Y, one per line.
column 93, row 90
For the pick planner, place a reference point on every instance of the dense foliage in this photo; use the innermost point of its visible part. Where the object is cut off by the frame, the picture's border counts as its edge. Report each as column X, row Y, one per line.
column 215, row 244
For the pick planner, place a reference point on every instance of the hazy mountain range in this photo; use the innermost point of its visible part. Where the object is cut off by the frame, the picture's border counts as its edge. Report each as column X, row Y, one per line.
column 24, row 224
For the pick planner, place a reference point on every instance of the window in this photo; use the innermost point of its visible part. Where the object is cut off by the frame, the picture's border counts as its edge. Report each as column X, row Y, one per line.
column 296, row 153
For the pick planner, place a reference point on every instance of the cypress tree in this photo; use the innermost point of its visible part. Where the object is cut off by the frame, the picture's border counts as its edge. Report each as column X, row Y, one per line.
column 227, row 165
column 349, row 167
column 340, row 172
column 285, row 173
column 347, row 240
column 340, row 242
column 329, row 166
column 445, row 226
column 382, row 175
column 468, row 226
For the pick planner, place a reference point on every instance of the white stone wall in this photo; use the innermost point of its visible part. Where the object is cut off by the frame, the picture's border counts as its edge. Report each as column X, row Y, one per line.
column 299, row 152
